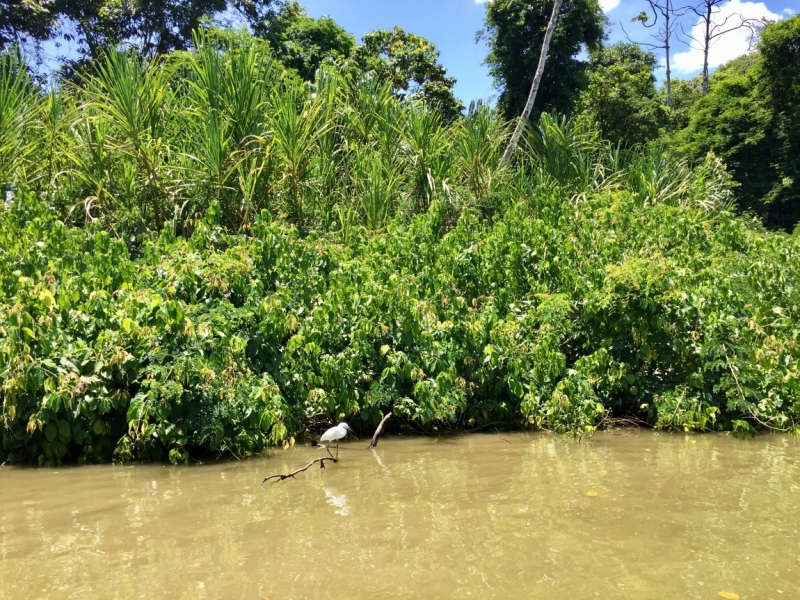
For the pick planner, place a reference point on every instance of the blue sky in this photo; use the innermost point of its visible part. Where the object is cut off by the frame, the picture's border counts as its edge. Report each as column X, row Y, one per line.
column 451, row 25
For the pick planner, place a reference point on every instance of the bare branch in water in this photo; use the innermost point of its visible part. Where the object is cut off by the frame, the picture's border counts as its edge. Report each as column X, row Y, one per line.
column 330, row 457
column 379, row 430
column 281, row 477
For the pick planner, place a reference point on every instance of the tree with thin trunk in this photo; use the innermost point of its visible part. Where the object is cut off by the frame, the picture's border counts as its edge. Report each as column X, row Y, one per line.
column 551, row 26
column 710, row 29
column 663, row 31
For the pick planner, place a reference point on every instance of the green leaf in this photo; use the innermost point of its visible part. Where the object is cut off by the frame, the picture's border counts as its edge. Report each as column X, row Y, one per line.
column 64, row 431
column 59, row 450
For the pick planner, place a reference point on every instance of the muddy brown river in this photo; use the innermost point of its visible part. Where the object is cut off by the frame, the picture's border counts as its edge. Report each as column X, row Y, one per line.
column 624, row 514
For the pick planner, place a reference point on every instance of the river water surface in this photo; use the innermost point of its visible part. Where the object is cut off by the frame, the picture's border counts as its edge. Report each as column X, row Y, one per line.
column 504, row 515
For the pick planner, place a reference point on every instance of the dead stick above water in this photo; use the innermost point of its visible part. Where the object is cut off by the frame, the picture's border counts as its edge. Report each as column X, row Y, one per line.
column 281, row 477
column 378, row 431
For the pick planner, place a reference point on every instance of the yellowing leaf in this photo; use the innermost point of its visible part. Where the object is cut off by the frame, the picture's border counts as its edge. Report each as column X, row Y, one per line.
column 729, row 595
column 47, row 298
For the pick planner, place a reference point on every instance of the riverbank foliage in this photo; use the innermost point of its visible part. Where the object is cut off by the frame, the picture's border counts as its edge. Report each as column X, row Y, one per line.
column 208, row 255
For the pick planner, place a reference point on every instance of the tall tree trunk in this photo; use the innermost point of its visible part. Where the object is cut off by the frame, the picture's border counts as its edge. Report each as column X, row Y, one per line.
column 551, row 26
column 666, row 51
column 706, row 47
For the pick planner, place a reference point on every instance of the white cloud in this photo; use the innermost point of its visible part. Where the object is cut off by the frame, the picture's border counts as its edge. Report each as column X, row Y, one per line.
column 789, row 12
column 727, row 46
column 608, row 5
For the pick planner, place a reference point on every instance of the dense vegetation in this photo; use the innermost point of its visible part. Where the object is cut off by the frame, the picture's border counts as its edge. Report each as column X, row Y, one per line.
column 208, row 252
column 746, row 113
column 751, row 119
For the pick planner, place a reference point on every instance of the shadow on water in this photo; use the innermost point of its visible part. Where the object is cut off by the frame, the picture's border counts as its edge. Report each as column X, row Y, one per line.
column 480, row 515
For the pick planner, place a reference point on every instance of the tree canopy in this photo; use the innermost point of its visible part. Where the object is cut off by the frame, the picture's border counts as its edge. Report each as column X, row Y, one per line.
column 411, row 63
column 515, row 30
column 22, row 21
column 152, row 26
column 206, row 253
column 301, row 42
column 621, row 99
column 751, row 119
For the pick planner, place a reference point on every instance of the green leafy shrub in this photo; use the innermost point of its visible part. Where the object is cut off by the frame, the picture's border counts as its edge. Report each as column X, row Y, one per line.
column 555, row 314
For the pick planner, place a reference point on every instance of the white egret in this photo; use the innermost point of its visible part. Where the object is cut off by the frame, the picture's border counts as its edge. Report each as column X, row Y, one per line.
column 335, row 434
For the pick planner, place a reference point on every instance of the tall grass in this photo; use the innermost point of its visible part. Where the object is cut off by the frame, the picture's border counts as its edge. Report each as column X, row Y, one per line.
column 140, row 145
column 17, row 115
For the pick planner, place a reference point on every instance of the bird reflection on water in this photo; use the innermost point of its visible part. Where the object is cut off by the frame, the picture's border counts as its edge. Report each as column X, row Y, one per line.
column 339, row 501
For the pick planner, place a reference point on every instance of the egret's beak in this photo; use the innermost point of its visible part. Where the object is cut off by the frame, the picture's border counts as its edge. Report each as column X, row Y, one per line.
column 350, row 430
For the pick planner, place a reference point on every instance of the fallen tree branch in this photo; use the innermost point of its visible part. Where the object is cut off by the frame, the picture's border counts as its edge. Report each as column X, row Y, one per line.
column 281, row 477
column 379, row 430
